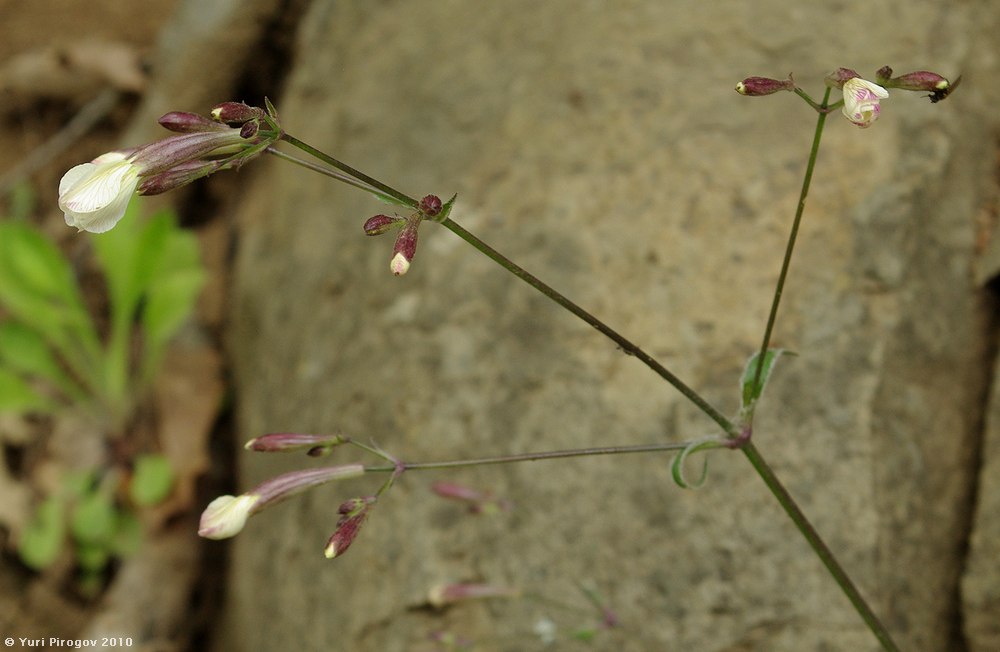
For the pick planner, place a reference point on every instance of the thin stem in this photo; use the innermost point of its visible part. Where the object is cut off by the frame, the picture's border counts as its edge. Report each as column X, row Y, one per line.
column 322, row 169
column 626, row 345
column 343, row 167
column 790, row 247
column 819, row 547
column 531, row 457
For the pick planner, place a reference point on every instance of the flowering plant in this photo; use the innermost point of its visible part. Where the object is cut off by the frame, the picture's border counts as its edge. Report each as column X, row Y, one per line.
column 227, row 515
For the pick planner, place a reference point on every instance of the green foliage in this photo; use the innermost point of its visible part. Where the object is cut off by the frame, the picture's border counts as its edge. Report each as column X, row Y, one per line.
column 152, row 481
column 50, row 352
column 54, row 356
column 87, row 515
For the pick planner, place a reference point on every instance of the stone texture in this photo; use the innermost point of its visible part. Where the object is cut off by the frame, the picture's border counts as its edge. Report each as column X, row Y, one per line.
column 602, row 147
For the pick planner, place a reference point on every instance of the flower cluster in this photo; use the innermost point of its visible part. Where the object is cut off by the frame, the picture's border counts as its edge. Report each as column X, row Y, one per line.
column 93, row 196
column 861, row 103
column 405, row 246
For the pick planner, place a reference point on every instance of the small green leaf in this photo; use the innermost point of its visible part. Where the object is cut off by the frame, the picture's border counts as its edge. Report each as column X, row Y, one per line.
column 749, row 392
column 92, row 558
column 24, row 350
column 42, row 540
column 587, row 634
column 94, row 519
column 127, row 538
column 18, row 397
column 446, row 209
column 152, row 480
column 677, row 467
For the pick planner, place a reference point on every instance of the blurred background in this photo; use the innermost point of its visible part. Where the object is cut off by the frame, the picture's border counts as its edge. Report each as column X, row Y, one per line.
column 601, row 146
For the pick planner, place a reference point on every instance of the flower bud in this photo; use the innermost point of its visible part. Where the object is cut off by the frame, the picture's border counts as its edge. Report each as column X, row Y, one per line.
column 445, row 594
column 379, row 224
column 249, row 129
column 839, row 77
column 184, row 122
column 226, row 515
column 756, row 86
column 177, row 176
column 353, row 514
column 430, row 205
column 236, row 113
column 921, row 80
column 405, row 247
column 281, row 442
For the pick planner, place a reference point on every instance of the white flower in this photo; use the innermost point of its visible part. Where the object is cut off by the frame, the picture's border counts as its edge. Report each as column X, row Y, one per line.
column 861, row 101
column 226, row 515
column 93, row 196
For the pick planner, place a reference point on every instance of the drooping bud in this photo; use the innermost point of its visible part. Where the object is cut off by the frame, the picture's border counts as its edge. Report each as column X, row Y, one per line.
column 184, row 122
column 923, row 80
column 177, row 176
column 405, row 247
column 839, row 77
column 379, row 224
column 430, row 205
column 353, row 514
column 445, row 594
column 226, row 515
column 756, row 86
column 479, row 502
column 236, row 113
column 282, row 442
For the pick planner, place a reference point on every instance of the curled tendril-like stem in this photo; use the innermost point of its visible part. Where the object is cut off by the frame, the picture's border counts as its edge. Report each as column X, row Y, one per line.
column 677, row 467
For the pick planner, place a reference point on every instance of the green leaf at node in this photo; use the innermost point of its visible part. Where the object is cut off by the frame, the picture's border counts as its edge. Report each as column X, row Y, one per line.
column 751, row 387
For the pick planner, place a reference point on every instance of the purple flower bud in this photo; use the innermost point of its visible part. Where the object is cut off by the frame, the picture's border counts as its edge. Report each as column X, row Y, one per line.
column 176, row 150
column 921, row 80
column 445, row 594
column 882, row 75
column 839, row 77
column 236, row 113
column 249, row 129
column 430, row 205
column 379, row 224
column 280, row 442
column 405, row 247
column 186, row 123
column 756, row 86
column 177, row 176
column 353, row 514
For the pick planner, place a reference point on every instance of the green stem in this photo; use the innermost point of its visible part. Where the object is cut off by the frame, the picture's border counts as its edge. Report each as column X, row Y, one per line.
column 790, row 246
column 531, row 457
column 626, row 345
column 819, row 547
column 357, row 174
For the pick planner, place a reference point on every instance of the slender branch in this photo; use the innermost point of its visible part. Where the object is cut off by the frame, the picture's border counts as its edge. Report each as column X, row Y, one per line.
column 343, row 167
column 790, row 247
column 626, row 345
column 819, row 547
column 532, row 457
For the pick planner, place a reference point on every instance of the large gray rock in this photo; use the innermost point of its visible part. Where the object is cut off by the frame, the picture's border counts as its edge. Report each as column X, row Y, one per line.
column 602, row 147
